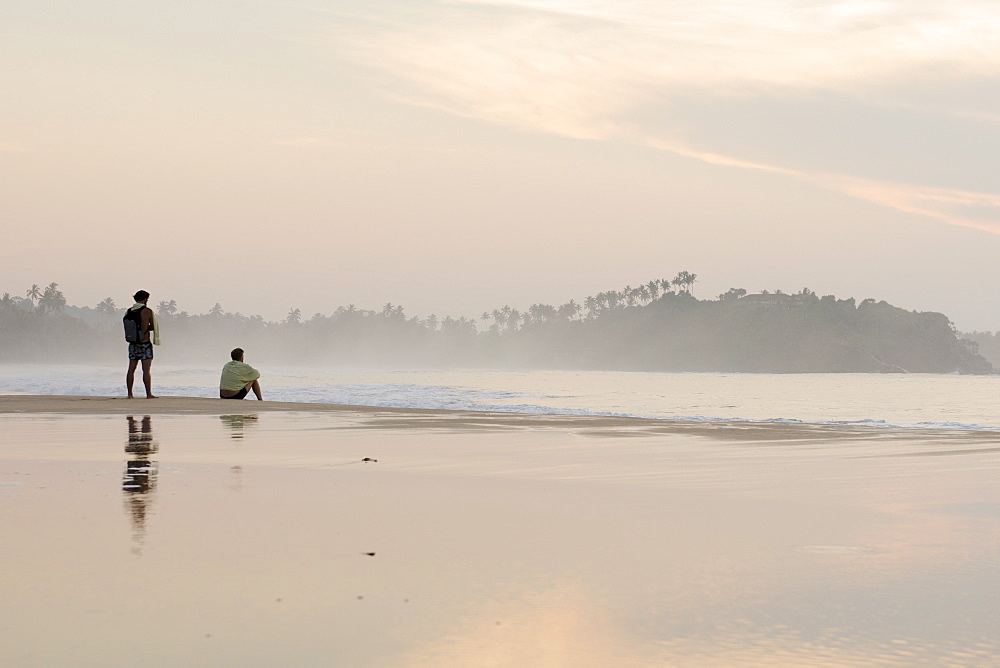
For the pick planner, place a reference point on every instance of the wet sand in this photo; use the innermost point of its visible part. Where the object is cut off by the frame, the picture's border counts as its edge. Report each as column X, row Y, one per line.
column 25, row 403
column 206, row 532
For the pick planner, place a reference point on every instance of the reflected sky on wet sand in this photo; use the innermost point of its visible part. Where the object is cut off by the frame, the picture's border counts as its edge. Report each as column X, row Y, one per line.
column 310, row 539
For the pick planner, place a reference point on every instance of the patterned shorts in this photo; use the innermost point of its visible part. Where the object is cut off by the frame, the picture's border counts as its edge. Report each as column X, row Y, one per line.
column 140, row 351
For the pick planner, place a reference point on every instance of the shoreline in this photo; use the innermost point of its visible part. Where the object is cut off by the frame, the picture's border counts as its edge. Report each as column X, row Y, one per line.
column 402, row 419
column 169, row 405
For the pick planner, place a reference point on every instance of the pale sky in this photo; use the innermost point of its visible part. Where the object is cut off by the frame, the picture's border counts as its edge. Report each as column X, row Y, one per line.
column 455, row 156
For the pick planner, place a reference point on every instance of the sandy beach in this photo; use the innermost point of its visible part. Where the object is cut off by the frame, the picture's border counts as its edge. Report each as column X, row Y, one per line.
column 207, row 532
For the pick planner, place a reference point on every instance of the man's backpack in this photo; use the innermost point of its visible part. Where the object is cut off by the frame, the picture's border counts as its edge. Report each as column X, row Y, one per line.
column 133, row 325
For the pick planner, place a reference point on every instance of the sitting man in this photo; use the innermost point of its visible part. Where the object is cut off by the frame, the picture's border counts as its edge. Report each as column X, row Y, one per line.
column 238, row 378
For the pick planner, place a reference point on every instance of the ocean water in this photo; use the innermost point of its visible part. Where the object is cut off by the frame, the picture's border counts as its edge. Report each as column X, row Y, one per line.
column 891, row 400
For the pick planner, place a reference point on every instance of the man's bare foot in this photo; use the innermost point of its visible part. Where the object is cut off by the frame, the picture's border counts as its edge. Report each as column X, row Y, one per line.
column 130, row 397
column 152, row 396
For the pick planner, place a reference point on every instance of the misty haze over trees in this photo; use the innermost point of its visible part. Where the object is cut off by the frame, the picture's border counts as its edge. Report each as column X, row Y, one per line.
column 657, row 326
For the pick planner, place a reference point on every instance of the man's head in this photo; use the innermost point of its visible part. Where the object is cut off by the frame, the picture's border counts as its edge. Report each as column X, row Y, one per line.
column 141, row 296
column 237, row 354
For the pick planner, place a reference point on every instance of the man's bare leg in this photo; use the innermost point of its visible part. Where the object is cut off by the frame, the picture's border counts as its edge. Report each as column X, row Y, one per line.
column 130, row 376
column 147, row 378
column 255, row 386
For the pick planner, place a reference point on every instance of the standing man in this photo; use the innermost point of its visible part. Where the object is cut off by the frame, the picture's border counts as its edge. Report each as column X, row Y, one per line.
column 238, row 378
column 142, row 350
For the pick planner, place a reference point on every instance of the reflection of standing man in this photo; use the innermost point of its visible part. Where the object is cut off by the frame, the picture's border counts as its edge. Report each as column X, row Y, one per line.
column 139, row 479
column 140, row 320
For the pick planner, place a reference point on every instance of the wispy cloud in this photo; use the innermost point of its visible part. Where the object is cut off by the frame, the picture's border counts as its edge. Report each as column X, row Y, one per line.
column 642, row 70
column 781, row 41
column 979, row 211
column 975, row 210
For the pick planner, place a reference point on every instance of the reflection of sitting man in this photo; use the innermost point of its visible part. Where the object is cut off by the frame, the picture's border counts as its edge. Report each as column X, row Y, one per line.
column 238, row 378
column 238, row 423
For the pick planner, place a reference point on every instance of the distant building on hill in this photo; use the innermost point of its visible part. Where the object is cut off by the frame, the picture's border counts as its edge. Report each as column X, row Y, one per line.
column 775, row 300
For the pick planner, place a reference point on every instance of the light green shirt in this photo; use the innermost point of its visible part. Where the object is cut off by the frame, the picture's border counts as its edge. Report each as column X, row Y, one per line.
column 236, row 376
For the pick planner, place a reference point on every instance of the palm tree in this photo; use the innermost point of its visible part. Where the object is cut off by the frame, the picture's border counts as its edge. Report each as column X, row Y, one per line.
column 6, row 302
column 513, row 319
column 540, row 313
column 34, row 293
column 654, row 288
column 678, row 281
column 685, row 279
column 215, row 311
column 294, row 316
column 568, row 310
column 107, row 307
column 689, row 281
column 505, row 315
column 52, row 299
column 166, row 308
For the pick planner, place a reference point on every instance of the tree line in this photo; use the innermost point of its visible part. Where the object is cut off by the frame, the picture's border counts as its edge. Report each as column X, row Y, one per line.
column 658, row 325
